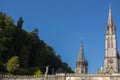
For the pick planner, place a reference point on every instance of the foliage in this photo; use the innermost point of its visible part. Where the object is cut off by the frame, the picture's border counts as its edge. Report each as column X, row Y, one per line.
column 31, row 50
column 12, row 64
column 38, row 72
column 5, row 20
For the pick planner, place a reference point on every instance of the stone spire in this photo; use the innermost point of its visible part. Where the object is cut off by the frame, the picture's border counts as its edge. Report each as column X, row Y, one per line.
column 110, row 21
column 111, row 55
column 81, row 54
column 110, row 25
column 81, row 64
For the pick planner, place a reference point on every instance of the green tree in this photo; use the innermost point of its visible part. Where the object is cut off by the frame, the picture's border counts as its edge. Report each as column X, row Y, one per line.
column 36, row 31
column 12, row 64
column 5, row 21
column 6, row 31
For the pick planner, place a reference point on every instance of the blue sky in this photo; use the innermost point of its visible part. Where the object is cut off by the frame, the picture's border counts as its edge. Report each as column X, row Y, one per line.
column 63, row 23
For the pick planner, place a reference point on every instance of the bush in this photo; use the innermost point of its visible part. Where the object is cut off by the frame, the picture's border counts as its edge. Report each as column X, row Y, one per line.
column 12, row 64
column 38, row 72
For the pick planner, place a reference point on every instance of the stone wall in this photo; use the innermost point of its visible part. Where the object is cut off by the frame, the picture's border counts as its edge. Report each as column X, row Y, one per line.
column 64, row 77
column 115, row 76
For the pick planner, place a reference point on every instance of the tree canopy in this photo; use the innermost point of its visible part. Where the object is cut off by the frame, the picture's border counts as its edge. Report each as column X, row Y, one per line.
column 32, row 51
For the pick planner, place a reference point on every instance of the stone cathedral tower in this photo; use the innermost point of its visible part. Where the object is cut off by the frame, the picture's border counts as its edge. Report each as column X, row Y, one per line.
column 111, row 60
column 81, row 64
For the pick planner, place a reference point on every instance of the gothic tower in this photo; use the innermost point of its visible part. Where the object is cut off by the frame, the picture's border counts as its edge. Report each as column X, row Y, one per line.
column 111, row 60
column 81, row 64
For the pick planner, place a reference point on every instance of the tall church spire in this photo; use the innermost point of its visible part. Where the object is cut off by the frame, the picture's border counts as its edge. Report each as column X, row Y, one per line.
column 81, row 64
column 81, row 54
column 111, row 54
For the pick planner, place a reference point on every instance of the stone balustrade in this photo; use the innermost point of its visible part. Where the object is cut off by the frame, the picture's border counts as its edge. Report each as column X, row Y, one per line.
column 97, row 75
column 62, row 76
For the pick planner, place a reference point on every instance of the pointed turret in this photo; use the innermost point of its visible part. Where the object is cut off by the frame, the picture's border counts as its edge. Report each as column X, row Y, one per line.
column 81, row 64
column 81, row 54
